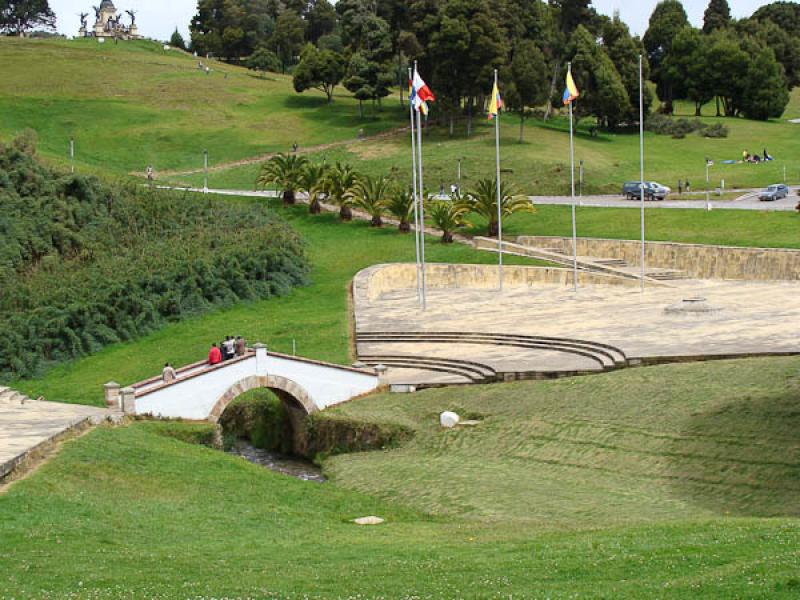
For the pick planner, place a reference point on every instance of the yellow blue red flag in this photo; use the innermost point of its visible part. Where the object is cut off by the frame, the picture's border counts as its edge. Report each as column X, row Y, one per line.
column 496, row 103
column 571, row 92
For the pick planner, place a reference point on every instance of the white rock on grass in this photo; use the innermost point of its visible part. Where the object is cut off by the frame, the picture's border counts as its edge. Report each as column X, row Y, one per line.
column 449, row 419
column 372, row 520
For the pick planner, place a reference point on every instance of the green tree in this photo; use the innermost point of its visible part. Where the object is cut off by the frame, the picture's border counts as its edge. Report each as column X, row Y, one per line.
column 624, row 51
column 784, row 43
column 482, row 200
column 284, row 171
column 321, row 19
column 529, row 81
column 263, row 59
column 730, row 66
column 572, row 13
column 372, row 195
column 668, row 19
column 20, row 16
column 448, row 216
column 785, row 15
column 232, row 28
column 288, row 37
column 401, row 206
column 688, row 69
column 340, row 180
column 765, row 95
column 318, row 69
column 717, row 16
column 176, row 41
column 314, row 182
column 603, row 94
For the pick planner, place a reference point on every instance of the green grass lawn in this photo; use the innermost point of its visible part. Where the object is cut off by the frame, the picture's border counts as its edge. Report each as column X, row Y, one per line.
column 678, row 481
column 540, row 166
column 133, row 104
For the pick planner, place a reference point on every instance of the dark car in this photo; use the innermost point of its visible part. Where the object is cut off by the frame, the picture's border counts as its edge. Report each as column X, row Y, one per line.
column 652, row 190
column 774, row 192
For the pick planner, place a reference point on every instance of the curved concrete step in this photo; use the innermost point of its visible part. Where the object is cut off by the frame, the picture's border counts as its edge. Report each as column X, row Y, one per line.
column 605, row 355
column 475, row 372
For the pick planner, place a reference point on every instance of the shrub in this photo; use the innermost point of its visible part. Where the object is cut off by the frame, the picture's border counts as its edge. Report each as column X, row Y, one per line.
column 84, row 264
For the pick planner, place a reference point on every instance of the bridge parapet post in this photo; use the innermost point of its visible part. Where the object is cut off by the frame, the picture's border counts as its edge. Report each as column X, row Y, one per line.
column 111, row 390
column 127, row 400
column 261, row 359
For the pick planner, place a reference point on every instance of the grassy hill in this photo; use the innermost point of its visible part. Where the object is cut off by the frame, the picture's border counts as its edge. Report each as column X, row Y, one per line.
column 661, row 482
column 133, row 104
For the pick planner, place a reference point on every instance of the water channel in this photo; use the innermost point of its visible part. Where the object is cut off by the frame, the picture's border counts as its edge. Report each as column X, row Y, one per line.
column 286, row 465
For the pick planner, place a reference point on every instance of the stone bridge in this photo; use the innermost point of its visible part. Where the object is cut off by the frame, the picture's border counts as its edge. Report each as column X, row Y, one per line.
column 202, row 392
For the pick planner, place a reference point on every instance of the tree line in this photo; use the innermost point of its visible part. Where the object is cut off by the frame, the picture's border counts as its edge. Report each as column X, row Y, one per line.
column 84, row 264
column 366, row 46
column 747, row 66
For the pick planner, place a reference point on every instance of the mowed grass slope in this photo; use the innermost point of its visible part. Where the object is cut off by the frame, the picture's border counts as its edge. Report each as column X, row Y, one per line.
column 540, row 165
column 132, row 104
column 682, row 441
column 659, row 482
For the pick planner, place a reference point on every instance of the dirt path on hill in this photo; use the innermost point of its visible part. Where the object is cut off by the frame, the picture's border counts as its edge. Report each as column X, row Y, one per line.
column 263, row 157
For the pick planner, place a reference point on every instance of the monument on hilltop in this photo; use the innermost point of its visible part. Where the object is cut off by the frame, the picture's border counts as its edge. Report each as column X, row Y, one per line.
column 108, row 23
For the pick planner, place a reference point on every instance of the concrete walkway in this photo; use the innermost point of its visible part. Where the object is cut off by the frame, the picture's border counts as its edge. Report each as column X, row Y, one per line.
column 26, row 427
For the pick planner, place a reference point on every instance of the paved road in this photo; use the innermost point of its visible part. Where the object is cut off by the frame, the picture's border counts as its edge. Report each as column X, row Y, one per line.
column 748, row 201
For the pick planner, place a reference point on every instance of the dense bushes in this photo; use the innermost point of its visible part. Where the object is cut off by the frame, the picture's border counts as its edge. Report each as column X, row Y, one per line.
column 680, row 128
column 84, row 264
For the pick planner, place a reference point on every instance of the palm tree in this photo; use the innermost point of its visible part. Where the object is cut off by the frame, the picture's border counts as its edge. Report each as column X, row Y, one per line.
column 371, row 194
column 284, row 172
column 448, row 216
column 483, row 201
column 401, row 205
column 340, row 179
column 314, row 182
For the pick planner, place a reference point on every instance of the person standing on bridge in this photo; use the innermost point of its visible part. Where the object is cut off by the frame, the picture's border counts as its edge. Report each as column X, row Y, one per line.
column 241, row 346
column 214, row 355
column 168, row 375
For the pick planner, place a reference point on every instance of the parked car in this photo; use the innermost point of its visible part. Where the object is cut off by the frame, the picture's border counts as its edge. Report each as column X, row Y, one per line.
column 774, row 192
column 652, row 190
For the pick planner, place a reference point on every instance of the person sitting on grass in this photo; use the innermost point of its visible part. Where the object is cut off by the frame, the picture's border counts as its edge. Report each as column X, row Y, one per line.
column 214, row 355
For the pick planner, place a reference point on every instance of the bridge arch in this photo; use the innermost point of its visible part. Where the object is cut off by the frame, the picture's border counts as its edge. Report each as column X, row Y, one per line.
column 287, row 390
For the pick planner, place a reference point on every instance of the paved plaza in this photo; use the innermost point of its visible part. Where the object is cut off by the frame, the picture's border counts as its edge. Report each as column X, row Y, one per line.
column 721, row 319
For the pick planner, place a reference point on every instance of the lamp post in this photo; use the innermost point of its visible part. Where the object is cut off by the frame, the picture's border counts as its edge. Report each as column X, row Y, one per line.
column 708, row 185
column 72, row 154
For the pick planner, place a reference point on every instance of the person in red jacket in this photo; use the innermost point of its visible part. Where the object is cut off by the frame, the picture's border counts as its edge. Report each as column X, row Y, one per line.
column 214, row 355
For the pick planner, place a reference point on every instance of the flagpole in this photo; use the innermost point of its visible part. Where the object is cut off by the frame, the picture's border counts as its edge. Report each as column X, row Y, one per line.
column 641, row 159
column 499, row 199
column 421, row 207
column 414, row 177
column 572, row 183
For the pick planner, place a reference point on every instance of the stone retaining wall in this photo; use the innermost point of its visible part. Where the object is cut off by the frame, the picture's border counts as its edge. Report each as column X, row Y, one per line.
column 698, row 261
column 373, row 282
